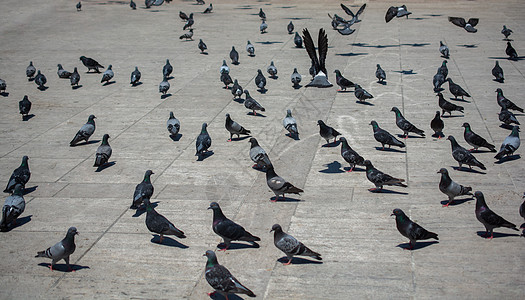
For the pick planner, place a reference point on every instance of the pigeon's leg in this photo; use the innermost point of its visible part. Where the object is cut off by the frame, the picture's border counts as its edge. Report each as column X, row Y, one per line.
column 254, row 113
column 211, row 294
column 449, row 201
column 289, row 261
column 226, row 245
column 351, row 168
column 406, row 135
column 161, row 238
column 276, row 198
column 231, row 136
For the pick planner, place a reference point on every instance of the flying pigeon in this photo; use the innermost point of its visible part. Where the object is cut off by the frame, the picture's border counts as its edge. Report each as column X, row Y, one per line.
column 132, row 5
column 395, row 11
column 40, row 80
column 290, row 27
column 91, row 64
column 103, row 152
column 443, row 49
column 456, row 90
column 262, row 15
column 497, row 72
column 450, row 188
column 350, row 155
column 74, row 79
column 208, row 9
column 298, row 40
column 260, row 81
column 278, row 185
column 30, row 71
column 272, row 70
column 447, row 106
column 62, row 73
column 226, row 79
column 13, row 207
column 263, row 26
column 234, row 56
column 290, row 124
column 189, row 22
column 411, row 230
column 167, row 69
column 228, row 230
column 507, row 117
column 24, row 106
column 173, row 125
column 290, row 245
column 320, row 79
column 327, row 132
column 489, row 218
column 443, row 69
column 437, row 125
column 61, row 250
column 135, row 77
column 405, row 125
column 468, row 26
column 108, row 75
column 379, row 178
column 224, row 68
column 361, row 94
column 296, row 78
column 250, row 49
column 202, row 46
column 183, row 16
column 20, row 176
column 342, row 82
column 79, row 6
column 475, row 140
column 346, row 30
column 252, row 104
column 85, row 131
column 236, row 90
column 203, row 141
column 157, row 223
column 438, row 81
column 380, row 74
column 221, row 279
column 258, row 155
column 188, row 35
column 384, row 137
column 234, row 128
column 143, row 191
column 510, row 144
column 355, row 17
column 337, row 21
column 463, row 156
column 511, row 52
column 506, row 103
column 506, row 32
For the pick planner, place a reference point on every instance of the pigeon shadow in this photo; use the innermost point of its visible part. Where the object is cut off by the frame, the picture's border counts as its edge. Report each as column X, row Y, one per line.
column 382, row 82
column 508, row 158
column 387, row 191
column 350, row 54
column 481, row 151
column 468, row 170
column 76, row 87
column 256, row 114
column 170, row 77
column 389, row 149
column 332, row 168
column 498, row 80
column 235, row 63
column 63, row 267
column 366, row 45
column 268, row 43
column 21, row 221
column 459, row 100
column 205, row 155
column 28, row 117
column 293, row 136
column 176, row 137
column 296, row 87
column 165, row 96
column 262, row 91
column 331, row 144
column 457, row 201
column 286, row 199
column 241, row 138
column 417, row 19
column 469, row 46
column 204, row 53
column 365, row 103
column 42, row 88
column 299, row 261
column 411, row 136
column 274, row 77
column 137, row 84
column 419, row 245
column 142, row 209
column 5, row 94
column 432, row 15
column 30, row 190
column 416, row 44
column 167, row 241
column 408, row 72
column 237, row 246
column 109, row 83
column 452, row 116
column 446, row 57
column 239, row 100
column 87, row 143
column 251, row 55
column 356, row 169
column 506, row 57
column 496, row 234
column 218, row 296
column 344, row 91
column 105, row 166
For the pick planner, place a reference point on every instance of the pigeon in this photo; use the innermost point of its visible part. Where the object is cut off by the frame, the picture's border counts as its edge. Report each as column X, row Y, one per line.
column 346, row 30
column 226, row 79
column 189, row 22
column 149, row 3
column 380, row 74
column 103, row 152
column 361, row 94
column 221, row 279
column 522, row 214
column 405, row 125
column 30, row 71
column 13, row 207
column 443, row 69
column 320, row 79
column 272, row 70
column 384, row 137
column 510, row 144
column 296, row 78
column 298, row 40
column 164, row 86
column 224, row 68
column 91, row 64
column 40, row 80
column 450, row 188
column 507, row 117
column 258, row 155
column 61, row 250
column 342, row 82
column 108, row 75
column 506, row 103
column 438, row 81
column 200, row 2
column 443, row 49
column 20, row 176
column 183, row 16
column 157, row 223
column 290, row 245
column 506, row 32
column 456, row 90
column 173, row 125
column 489, row 218
column 350, row 155
column 250, row 49
column 188, row 35
column 74, row 79
column 447, row 106
column 132, row 5
column 143, row 191
column 411, row 230
column 234, row 56
column 468, row 26
column 379, row 178
column 327, row 132
column 437, row 125
column 203, row 141
column 208, row 9
column 395, row 11
column 278, row 185
column 475, row 140
column 228, row 230
column 236, row 89
column 290, row 27
column 497, row 72
column 24, row 106
column 511, row 52
column 263, row 26
column 262, row 15
column 63, row 73
column 234, row 128
column 252, row 104
column 85, row 131
column 290, row 124
column 3, row 85
column 79, row 6
column 135, row 77
column 260, row 81
column 463, row 156
column 355, row 17
column 202, row 46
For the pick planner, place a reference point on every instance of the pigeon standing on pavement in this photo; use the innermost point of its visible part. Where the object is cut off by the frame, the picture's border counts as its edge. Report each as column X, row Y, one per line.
column 30, row 71
column 475, row 140
column 361, row 94
column 468, row 26
column 298, row 40
column 202, row 46
column 272, row 70
column 252, row 104
column 437, row 125
column 327, row 132
column 447, row 106
column 379, row 179
column 290, row 124
column 510, row 144
column 506, row 32
column 173, row 125
column 91, row 64
column 260, row 81
column 20, row 176
column 396, row 11
column 405, row 125
column 384, row 137
column 380, row 74
column 143, row 191
column 463, row 156
column 108, row 75
column 279, row 185
column 63, row 73
column 132, row 4
column 443, row 69
column 228, row 230
column 488, row 218
column 167, row 69
column 250, row 49
column 503, row 102
column 507, row 117
column 443, row 49
column 450, row 188
column 208, row 9
column 258, row 155
column 318, row 62
column 40, row 80
column 226, row 79
column 188, row 35
column 296, row 79
column 159, row 224
column 497, row 72
column 262, row 15
column 203, row 142
column 74, row 79
column 61, row 250
column 24, row 107
column 234, row 56
column 189, row 22
column 342, row 82
column 164, row 86
column 135, row 77
column 13, row 207
column 103, row 152
column 290, row 27
column 350, row 155
column 456, row 90
column 236, row 90
column 224, row 68
column 411, row 230
column 263, row 26
column 234, row 128
column 79, row 6
column 290, row 245
column 511, row 52
column 85, row 131
column 438, row 81
column 183, row 16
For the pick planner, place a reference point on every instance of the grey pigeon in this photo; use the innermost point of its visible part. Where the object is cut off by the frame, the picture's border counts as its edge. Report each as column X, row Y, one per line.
column 342, row 82
column 463, row 156
column 79, row 6
column 298, row 40
column 380, row 74
column 226, row 79
column 507, row 117
column 149, row 3
column 157, row 223
column 188, row 35
column 40, row 80
column 250, row 49
column 236, row 90
column 411, row 230
column 202, row 46
column 103, row 152
column 443, row 49
column 450, row 188
column 173, row 125
column 510, row 144
column 262, row 15
column 24, row 107
column 263, row 26
column 405, row 125
column 488, row 218
column 30, row 71
column 167, row 69
column 456, row 90
column 74, row 79
column 143, row 191
column 208, row 9
column 91, row 64
column 511, row 52
column 396, row 11
column 132, row 5
column 506, row 31
column 85, row 131
column 443, row 69
column 164, row 86
column 290, row 245
column 61, row 250
column 189, row 23
column 290, row 27
column 258, row 155
column 384, row 137
column 183, row 16
column 447, row 106
column 355, row 17
column 350, row 155
column 475, row 140
column 379, row 179
column 438, row 81
column 437, row 125
column 135, row 77
column 361, row 94
column 318, row 62
column 260, row 81
column 497, row 72
column 296, row 78
column 503, row 102
column 228, row 230
column 272, row 70
column 20, row 176
column 221, row 280
column 290, row 124
column 203, row 142
column 108, row 75
column 13, row 207
column 279, row 185
column 234, row 128
column 346, row 30
column 234, row 56
column 62, row 73
column 224, row 68
column 327, row 132
column 468, row 26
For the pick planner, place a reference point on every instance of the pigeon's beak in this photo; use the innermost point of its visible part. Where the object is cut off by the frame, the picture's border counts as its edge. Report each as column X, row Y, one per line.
column 392, row 214
column 209, row 207
column 204, row 254
column 271, row 230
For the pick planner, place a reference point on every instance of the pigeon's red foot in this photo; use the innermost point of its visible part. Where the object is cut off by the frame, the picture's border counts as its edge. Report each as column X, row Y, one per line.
column 229, row 140
column 351, row 169
column 373, row 190
column 50, row 267
column 211, row 294
column 288, row 263
column 446, row 205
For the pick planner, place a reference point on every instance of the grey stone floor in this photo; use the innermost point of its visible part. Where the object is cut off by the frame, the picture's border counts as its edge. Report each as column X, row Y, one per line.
column 336, row 216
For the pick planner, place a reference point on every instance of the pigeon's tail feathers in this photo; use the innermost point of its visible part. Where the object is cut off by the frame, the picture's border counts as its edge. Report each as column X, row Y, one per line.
column 460, row 108
column 419, row 131
column 100, row 160
column 263, row 109
column 505, row 151
column 466, row 190
column 46, row 253
column 244, row 131
column 430, row 235
column 477, row 163
column 309, row 252
column 399, row 143
column 290, row 189
column 248, row 237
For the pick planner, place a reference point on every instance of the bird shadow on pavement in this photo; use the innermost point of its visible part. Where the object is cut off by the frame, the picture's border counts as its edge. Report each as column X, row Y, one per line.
column 506, row 57
column 218, row 296
column 268, row 42
column 293, row 136
column 382, row 82
column 87, row 143
column 109, row 83
column 350, row 54
column 142, row 209
column 411, row 136
column 496, row 234
column 481, row 151
column 286, row 199
column 30, row 190
column 273, row 77
column 262, row 91
column 42, row 88
column 240, row 138
column 28, row 117
column 136, row 84
column 345, row 91
column 387, row 191
column 331, row 144
column 296, row 87
column 468, row 170
column 417, row 19
column 76, row 87
column 239, row 100
column 332, row 168
column 205, row 155
column 21, row 222
column 5, row 94
column 508, row 158
column 365, row 103
column 457, row 201
column 105, row 166
column 236, row 246
column 452, row 116
column 356, row 169
column 299, row 261
column 176, row 137
column 256, row 115
column 469, row 46
column 419, row 245
column 167, row 241
column 389, row 150
column 410, row 72
column 459, row 100
column 165, row 96
column 63, row 267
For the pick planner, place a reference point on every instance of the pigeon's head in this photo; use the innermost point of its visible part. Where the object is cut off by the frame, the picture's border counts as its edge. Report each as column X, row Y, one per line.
column 110, row 66
column 214, row 205
column 91, row 117
column 466, row 125
column 75, row 70
column 149, row 173
column 438, row 113
column 451, row 138
column 442, row 171
column 259, row 71
column 253, row 142
column 228, row 116
column 508, row 44
column 367, row 163
column 499, row 91
column 342, row 140
column 204, row 126
column 397, row 212
column 449, row 80
column 479, row 197
column 82, row 58
column 515, row 130
column 378, row 66
column 248, row 43
column 233, row 48
column 374, row 124
column 246, row 92
column 395, row 109
column 72, row 231
column 59, row 66
column 276, row 228
column 19, row 190
column 25, row 97
column 171, row 115
column 210, row 254
column 105, row 137
column 320, row 122
column 444, row 62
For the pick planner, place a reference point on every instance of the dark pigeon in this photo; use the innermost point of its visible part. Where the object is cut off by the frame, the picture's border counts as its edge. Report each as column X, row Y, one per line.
column 506, row 32
column 396, row 11
column 507, row 117
column 258, row 155
column 443, row 49
column 488, row 218
column 164, row 86
column 79, row 6
column 85, row 131
column 318, row 62
column 263, row 26
column 290, row 27
column 497, row 72
column 342, row 82
column 234, row 128
column 384, row 137
column 188, row 35
column 298, row 40
column 437, row 125
column 40, row 80
column 189, row 22
column 468, row 26
column 24, row 107
column 450, row 188
column 290, row 245
column 506, row 103
column 143, row 191
column 224, row 68
column 380, row 74
column 108, row 75
column 132, row 4
column 202, row 46
column 405, row 125
column 20, row 176
column 74, row 79
column 447, row 106
column 208, row 9
column 167, row 69
column 157, row 223
column 13, row 207
column 262, row 15
column 252, row 104
column 234, row 56
column 63, row 73
column 327, row 132
column 411, row 230
column 438, row 81
column 475, row 140
column 511, row 52
column 203, row 142
column 236, row 90
column 226, row 79
column 510, row 144
column 228, row 230
column 91, row 64
column 279, row 185
column 173, row 125
column 135, row 77
column 183, row 16
column 3, row 85
column 296, row 78
column 361, row 94
column 463, row 156
column 30, row 71
column 103, row 152
column 456, row 90
column 379, row 179
column 61, row 250
column 260, row 81
column 290, row 124
column 443, row 69
column 350, row 155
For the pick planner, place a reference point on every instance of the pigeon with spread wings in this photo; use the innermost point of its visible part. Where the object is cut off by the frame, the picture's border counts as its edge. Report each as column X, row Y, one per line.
column 320, row 79
column 468, row 26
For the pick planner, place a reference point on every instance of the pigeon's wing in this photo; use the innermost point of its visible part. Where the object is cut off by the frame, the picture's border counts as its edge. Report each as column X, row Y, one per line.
column 347, row 10
column 458, row 21
column 229, row 229
column 276, row 183
column 287, row 244
column 323, row 49
column 473, row 21
column 222, row 280
column 361, row 9
column 492, row 218
column 390, row 13
column 310, row 47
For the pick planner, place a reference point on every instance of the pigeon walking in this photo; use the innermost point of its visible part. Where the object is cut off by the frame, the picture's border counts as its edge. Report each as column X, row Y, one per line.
column 488, row 218
column 361, row 94
column 159, row 224
column 463, row 156
column 507, row 117
column 260, row 81
column 24, row 107
column 447, row 106
column 290, row 124
column 350, row 155
column 510, row 144
column 234, row 128
column 258, row 155
column 203, row 142
column 272, row 70
column 262, row 15
column 202, row 46
column 250, row 49
column 506, row 32
column 61, row 250
column 405, row 125
column 108, row 75
column 236, row 90
column 279, row 185
column 143, row 191
column 298, row 40
column 290, row 27
column 252, row 104
column 396, row 11
column 437, row 125
column 318, row 62
column 380, row 74
column 226, row 79
column 173, row 125
column 234, row 56
column 450, row 188
column 189, row 22
column 188, row 35
column 224, row 68
column 30, row 71
column 13, row 207
column 443, row 69
column 167, row 69
column 79, row 6
column 228, row 230
column 133, row 5
column 135, row 77
column 497, row 72
column 164, row 86
column 103, row 152
column 438, row 81
column 327, row 132
column 411, row 230
column 443, row 49
column 290, row 245
column 468, row 26
column 384, row 137
column 85, row 131
column 475, row 140
column 456, row 90
column 503, row 102
column 40, row 80
column 208, row 9
column 20, row 176
column 296, row 78
column 342, row 82
column 379, row 179
column 3, row 86
column 263, row 26
column 63, row 73
column 91, row 64
column 511, row 52
column 74, row 79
